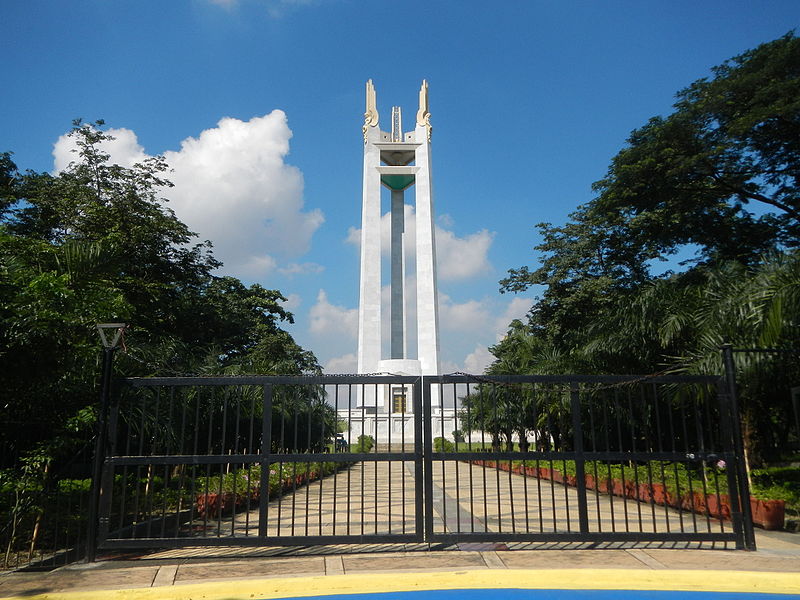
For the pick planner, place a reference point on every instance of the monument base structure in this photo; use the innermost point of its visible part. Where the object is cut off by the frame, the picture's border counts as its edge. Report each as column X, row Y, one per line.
column 397, row 161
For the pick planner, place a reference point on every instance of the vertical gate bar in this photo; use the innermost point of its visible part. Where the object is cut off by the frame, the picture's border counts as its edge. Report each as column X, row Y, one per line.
column 99, row 453
column 403, row 462
column 634, row 454
column 580, row 469
column 209, row 396
column 336, row 449
column 715, row 436
column 361, row 451
column 375, row 467
column 726, row 443
column 222, row 452
column 124, row 494
column 524, row 468
column 671, row 422
column 621, row 447
column 210, row 399
column 107, row 476
column 565, row 425
column 182, row 468
column 703, row 463
column 539, row 444
column 350, row 442
column 295, row 451
column 507, row 408
column 593, row 437
column 607, row 437
column 151, row 469
column 58, row 511
column 168, row 452
column 551, row 432
column 440, row 387
column 324, row 449
column 423, row 449
column 265, row 451
column 483, row 467
column 235, row 454
column 649, row 448
column 251, row 447
column 443, row 506
column 195, row 450
column 309, row 448
column 719, row 501
column 661, row 449
column 389, row 433
column 363, row 473
column 743, row 490
column 497, row 456
column 687, row 451
column 470, row 467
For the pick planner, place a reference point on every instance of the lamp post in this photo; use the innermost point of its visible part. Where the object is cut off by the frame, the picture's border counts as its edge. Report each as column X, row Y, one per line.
column 110, row 345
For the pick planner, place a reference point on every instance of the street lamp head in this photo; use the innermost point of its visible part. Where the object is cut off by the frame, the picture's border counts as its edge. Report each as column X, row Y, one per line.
column 118, row 328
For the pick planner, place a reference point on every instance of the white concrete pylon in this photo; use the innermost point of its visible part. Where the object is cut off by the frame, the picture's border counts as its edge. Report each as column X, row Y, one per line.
column 397, row 160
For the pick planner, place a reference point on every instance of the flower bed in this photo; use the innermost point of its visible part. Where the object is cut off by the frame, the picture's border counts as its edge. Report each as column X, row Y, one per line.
column 768, row 514
column 241, row 489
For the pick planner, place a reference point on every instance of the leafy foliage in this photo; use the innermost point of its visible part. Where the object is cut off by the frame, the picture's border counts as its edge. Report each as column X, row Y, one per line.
column 720, row 176
column 442, row 444
column 98, row 243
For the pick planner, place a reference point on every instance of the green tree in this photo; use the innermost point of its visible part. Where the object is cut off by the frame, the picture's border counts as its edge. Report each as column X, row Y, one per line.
column 97, row 242
column 721, row 175
column 691, row 178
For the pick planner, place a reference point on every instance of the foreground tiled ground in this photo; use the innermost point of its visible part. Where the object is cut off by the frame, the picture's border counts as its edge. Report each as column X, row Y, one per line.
column 778, row 552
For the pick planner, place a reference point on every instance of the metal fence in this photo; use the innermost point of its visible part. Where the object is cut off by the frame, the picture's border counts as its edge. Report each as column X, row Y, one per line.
column 46, row 522
column 594, row 459
column 271, row 461
column 258, row 461
column 767, row 384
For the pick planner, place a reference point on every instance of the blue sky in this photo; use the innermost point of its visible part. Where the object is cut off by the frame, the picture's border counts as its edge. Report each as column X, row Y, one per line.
column 258, row 106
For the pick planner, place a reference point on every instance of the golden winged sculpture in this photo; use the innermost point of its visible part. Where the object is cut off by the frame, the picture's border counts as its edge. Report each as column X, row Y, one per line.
column 371, row 114
column 423, row 114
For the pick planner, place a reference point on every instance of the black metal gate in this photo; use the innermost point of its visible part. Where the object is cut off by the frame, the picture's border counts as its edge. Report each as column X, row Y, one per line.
column 259, row 461
column 271, row 461
column 586, row 459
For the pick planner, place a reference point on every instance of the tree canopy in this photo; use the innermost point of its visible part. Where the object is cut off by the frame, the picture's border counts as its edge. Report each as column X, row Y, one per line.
column 719, row 176
column 722, row 173
column 98, row 243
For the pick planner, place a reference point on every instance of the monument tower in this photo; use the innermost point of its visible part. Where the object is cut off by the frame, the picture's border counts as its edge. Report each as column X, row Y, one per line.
column 397, row 161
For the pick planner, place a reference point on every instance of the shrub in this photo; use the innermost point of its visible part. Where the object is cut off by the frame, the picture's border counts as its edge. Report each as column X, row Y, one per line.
column 458, row 436
column 365, row 443
column 441, row 444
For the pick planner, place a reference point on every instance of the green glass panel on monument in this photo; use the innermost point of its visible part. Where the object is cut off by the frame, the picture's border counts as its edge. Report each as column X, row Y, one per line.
column 397, row 182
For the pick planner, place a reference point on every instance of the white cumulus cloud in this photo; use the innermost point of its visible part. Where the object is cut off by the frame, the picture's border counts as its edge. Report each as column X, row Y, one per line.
column 124, row 149
column 293, row 302
column 305, row 268
column 457, row 258
column 472, row 315
column 326, row 318
column 516, row 309
column 233, row 187
column 462, row 258
column 477, row 360
column 347, row 363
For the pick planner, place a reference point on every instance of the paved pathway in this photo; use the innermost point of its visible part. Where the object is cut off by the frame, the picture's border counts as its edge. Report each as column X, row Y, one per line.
column 378, row 498
column 383, row 509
